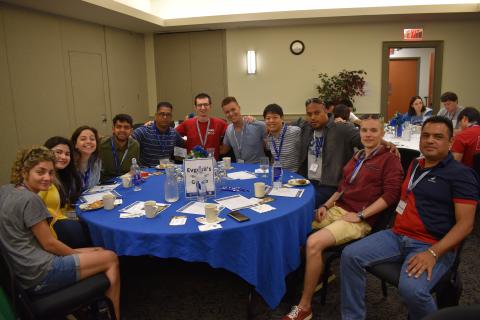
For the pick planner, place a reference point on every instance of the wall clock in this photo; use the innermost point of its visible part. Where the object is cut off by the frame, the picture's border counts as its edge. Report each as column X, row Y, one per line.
column 297, row 47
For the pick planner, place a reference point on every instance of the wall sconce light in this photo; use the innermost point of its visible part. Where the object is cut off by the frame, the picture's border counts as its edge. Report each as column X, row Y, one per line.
column 251, row 62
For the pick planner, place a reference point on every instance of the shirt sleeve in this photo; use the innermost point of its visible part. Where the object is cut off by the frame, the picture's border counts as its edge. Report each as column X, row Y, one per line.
column 465, row 186
column 181, row 129
column 458, row 144
column 392, row 181
column 137, row 134
column 179, row 142
column 226, row 140
column 34, row 211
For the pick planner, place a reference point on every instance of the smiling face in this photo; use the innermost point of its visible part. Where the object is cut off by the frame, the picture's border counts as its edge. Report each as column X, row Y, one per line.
column 274, row 122
column 202, row 108
column 316, row 115
column 122, row 130
column 62, row 156
column 371, row 133
column 232, row 112
column 86, row 143
column 435, row 141
column 40, row 177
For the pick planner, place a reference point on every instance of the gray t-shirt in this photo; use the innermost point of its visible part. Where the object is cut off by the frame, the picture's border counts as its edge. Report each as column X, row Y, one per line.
column 247, row 144
column 20, row 209
column 452, row 116
column 315, row 156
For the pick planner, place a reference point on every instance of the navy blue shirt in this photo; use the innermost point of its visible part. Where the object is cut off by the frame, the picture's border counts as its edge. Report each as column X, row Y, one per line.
column 156, row 145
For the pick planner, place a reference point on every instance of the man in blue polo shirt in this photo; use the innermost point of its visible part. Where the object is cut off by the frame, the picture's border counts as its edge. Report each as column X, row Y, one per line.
column 435, row 213
column 157, row 140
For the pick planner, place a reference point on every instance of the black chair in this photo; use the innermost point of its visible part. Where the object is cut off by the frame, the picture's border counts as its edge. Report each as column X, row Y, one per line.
column 476, row 163
column 406, row 157
column 459, row 312
column 58, row 304
column 448, row 289
column 383, row 222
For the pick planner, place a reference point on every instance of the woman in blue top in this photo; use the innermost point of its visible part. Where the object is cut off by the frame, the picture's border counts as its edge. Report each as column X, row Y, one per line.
column 417, row 112
column 87, row 161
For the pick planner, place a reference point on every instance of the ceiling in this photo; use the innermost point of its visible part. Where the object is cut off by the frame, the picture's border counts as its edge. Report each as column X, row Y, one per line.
column 159, row 16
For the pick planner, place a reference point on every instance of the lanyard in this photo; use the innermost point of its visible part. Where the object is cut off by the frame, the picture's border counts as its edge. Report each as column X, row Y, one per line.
column 279, row 150
column 359, row 164
column 203, row 140
column 318, row 145
column 412, row 184
column 86, row 176
column 115, row 156
column 239, row 145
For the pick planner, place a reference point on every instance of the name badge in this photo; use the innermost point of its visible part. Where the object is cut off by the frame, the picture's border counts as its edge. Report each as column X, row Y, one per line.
column 180, row 152
column 401, row 206
column 313, row 167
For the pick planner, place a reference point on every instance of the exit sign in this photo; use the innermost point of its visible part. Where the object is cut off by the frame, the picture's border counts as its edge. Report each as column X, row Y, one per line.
column 412, row 34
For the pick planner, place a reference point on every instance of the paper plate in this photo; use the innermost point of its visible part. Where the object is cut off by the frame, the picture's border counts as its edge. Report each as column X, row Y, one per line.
column 298, row 182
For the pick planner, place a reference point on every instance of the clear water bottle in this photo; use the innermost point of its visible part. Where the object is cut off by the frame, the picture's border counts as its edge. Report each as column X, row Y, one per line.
column 201, row 189
column 277, row 174
column 170, row 185
column 136, row 174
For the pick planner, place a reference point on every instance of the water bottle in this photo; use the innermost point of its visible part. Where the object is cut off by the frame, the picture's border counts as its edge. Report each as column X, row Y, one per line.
column 201, row 189
column 277, row 174
column 170, row 185
column 135, row 172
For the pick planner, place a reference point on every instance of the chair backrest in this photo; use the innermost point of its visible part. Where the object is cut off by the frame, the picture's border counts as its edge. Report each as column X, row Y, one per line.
column 406, row 157
column 476, row 163
column 385, row 219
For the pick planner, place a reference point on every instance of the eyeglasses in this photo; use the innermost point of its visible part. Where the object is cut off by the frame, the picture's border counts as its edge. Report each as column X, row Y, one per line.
column 199, row 105
column 164, row 115
column 313, row 100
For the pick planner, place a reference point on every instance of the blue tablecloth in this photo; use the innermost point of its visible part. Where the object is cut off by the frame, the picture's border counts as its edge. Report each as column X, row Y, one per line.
column 262, row 251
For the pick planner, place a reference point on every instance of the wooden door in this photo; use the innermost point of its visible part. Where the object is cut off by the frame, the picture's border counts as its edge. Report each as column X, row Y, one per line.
column 402, row 84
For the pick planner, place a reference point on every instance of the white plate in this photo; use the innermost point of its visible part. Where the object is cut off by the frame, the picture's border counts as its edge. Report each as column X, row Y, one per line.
column 297, row 182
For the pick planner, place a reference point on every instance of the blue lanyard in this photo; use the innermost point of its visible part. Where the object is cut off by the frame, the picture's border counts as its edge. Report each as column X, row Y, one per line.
column 318, row 145
column 412, row 184
column 115, row 157
column 359, row 164
column 86, row 175
column 279, row 150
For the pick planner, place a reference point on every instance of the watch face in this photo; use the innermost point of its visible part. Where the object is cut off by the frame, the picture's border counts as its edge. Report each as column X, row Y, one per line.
column 297, row 47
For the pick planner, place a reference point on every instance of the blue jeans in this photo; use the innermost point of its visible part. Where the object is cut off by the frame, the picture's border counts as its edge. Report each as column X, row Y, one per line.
column 63, row 271
column 381, row 247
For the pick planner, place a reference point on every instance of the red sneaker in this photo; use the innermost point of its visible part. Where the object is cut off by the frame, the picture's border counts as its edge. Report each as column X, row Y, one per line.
column 298, row 314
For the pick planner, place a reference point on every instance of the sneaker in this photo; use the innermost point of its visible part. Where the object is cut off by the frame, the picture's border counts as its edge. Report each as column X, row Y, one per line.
column 298, row 314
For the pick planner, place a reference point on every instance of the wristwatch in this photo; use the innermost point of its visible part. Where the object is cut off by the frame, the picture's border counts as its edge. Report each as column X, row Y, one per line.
column 361, row 216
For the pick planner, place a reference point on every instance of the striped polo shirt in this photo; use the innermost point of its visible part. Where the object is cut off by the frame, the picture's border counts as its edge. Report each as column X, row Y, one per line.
column 290, row 149
column 155, row 145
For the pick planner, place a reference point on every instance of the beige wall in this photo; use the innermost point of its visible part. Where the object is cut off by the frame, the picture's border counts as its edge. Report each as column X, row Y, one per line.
column 288, row 79
column 58, row 73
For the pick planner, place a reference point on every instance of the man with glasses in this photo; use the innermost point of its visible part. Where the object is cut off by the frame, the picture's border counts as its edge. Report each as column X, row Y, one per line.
column 203, row 130
column 370, row 183
column 158, row 140
column 118, row 150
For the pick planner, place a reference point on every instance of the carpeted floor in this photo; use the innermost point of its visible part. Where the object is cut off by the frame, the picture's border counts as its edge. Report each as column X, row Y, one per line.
column 155, row 288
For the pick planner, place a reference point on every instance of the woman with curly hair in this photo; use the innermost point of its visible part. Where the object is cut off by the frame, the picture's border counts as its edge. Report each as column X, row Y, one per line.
column 85, row 141
column 63, row 193
column 42, row 263
column 417, row 112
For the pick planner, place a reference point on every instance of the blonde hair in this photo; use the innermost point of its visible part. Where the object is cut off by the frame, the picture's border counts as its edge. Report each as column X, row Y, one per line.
column 27, row 159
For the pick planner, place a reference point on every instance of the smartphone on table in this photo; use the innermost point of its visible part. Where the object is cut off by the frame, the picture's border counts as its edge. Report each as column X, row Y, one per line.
column 238, row 216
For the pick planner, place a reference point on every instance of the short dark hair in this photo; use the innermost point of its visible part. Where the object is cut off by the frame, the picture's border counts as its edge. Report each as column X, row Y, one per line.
column 448, row 96
column 314, row 100
column 411, row 110
column 164, row 104
column 273, row 108
column 471, row 113
column 122, row 117
column 341, row 111
column 440, row 119
column 346, row 102
column 228, row 100
column 202, row 95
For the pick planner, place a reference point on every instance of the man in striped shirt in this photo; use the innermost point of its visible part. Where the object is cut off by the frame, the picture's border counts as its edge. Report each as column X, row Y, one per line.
column 157, row 140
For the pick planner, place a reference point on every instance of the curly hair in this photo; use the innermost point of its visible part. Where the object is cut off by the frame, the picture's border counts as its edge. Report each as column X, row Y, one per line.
column 27, row 159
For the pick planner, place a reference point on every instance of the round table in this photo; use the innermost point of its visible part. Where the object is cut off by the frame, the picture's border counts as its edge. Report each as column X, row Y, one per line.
column 262, row 250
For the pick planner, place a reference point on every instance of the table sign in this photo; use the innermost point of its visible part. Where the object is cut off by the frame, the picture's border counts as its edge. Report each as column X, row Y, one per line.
column 198, row 170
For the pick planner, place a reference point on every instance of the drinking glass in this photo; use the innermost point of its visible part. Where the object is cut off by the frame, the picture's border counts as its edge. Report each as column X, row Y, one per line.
column 264, row 165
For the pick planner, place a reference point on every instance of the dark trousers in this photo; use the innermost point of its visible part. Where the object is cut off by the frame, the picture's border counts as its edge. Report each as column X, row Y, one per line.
column 322, row 193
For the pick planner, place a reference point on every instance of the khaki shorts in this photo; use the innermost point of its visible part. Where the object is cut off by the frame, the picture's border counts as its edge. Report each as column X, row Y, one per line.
column 342, row 230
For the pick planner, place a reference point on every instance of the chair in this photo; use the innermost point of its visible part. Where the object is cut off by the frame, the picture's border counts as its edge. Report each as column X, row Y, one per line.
column 384, row 221
column 406, row 157
column 448, row 289
column 86, row 292
column 476, row 163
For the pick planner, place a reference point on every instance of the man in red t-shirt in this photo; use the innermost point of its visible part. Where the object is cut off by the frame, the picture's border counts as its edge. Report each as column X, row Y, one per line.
column 203, row 130
column 467, row 141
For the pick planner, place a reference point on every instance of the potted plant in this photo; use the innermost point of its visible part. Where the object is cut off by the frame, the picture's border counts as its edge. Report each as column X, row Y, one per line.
column 344, row 85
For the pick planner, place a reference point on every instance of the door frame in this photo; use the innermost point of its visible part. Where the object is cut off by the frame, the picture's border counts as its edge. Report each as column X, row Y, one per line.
column 437, row 82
